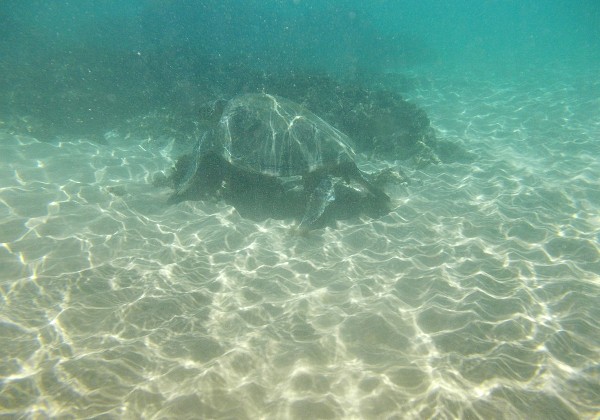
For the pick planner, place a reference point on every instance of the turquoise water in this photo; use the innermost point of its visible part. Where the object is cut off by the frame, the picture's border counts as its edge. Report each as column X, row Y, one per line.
column 475, row 297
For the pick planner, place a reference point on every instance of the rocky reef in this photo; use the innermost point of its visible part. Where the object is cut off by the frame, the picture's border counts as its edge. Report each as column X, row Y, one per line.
column 81, row 93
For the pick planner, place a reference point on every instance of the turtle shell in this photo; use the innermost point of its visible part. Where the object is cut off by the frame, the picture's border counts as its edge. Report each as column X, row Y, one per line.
column 274, row 136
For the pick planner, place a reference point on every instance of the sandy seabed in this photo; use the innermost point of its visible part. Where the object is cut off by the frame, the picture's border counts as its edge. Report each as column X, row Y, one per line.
column 476, row 297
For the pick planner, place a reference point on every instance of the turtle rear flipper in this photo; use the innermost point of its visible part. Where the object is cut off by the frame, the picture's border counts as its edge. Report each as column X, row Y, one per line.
column 320, row 198
column 376, row 192
column 351, row 171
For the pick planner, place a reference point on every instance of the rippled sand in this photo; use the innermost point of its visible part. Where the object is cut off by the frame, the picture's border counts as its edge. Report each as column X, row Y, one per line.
column 476, row 297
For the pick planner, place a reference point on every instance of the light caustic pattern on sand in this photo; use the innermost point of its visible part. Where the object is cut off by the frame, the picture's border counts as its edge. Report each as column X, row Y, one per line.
column 477, row 296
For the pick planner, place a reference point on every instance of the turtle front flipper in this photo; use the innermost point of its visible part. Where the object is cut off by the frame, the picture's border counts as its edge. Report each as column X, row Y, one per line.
column 320, row 198
column 184, row 174
column 198, row 174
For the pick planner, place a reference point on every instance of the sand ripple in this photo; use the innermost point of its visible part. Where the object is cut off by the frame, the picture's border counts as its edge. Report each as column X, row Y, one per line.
column 476, row 297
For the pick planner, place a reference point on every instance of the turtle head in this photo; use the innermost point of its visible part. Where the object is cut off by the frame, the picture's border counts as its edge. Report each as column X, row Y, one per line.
column 211, row 112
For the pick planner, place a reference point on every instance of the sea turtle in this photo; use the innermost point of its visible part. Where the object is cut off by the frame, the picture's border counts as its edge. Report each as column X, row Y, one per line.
column 266, row 138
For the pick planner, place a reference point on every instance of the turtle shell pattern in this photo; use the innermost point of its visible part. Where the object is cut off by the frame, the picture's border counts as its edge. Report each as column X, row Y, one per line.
column 274, row 136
